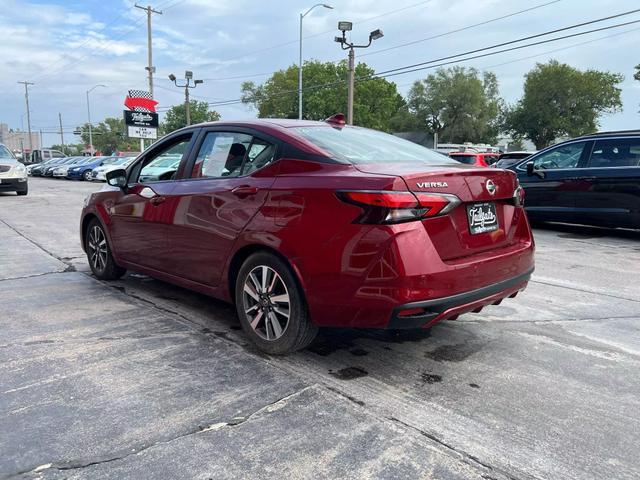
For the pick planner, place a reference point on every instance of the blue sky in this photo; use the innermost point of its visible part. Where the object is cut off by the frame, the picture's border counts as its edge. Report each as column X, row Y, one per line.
column 66, row 47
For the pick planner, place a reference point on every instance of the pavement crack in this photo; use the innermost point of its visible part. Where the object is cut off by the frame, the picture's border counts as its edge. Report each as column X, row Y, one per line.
column 70, row 267
column 583, row 290
column 36, row 275
column 233, row 422
column 464, row 456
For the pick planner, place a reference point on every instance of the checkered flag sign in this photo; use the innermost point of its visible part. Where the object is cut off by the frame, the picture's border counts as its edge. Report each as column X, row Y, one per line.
column 140, row 101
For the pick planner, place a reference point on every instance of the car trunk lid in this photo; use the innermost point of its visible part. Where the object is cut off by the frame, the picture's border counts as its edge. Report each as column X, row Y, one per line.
column 450, row 233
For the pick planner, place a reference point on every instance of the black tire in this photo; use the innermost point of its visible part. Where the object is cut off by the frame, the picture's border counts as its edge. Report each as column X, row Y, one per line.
column 23, row 192
column 298, row 331
column 87, row 176
column 101, row 262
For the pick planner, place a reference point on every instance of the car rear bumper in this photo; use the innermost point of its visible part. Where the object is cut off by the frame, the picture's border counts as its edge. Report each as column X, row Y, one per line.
column 368, row 280
column 450, row 307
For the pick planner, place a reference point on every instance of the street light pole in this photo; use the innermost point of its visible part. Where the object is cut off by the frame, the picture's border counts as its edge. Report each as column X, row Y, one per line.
column 91, row 149
column 345, row 45
column 188, row 75
column 187, row 107
column 302, row 15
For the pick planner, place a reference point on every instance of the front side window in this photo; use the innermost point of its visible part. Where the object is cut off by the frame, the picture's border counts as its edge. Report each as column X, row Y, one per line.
column 222, row 154
column 171, row 155
column 623, row 152
column 361, row 146
column 564, row 156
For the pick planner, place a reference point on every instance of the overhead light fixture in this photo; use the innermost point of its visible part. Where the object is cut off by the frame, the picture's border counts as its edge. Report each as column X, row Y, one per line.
column 197, row 82
column 327, row 6
column 345, row 26
column 172, row 77
column 188, row 74
column 376, row 34
column 338, row 39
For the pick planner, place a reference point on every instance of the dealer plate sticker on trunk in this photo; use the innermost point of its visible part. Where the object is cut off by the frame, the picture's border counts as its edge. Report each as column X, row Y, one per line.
column 482, row 217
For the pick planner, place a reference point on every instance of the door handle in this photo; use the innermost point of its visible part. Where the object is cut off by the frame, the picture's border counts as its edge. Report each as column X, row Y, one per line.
column 157, row 200
column 244, row 190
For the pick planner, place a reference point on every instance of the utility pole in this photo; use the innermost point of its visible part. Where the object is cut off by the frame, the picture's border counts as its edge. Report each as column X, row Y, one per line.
column 150, row 66
column 345, row 27
column 61, row 132
column 26, row 96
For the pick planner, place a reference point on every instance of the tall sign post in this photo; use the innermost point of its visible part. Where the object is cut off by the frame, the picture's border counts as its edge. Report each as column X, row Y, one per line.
column 141, row 118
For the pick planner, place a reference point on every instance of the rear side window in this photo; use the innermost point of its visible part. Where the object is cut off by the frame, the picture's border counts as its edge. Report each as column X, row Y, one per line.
column 360, row 146
column 229, row 154
column 623, row 152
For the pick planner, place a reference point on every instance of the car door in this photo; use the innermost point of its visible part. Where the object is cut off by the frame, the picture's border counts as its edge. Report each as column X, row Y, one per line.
column 140, row 216
column 611, row 184
column 550, row 190
column 226, row 185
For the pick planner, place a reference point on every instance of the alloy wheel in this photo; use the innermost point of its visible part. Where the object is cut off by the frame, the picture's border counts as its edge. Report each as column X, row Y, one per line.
column 97, row 249
column 266, row 302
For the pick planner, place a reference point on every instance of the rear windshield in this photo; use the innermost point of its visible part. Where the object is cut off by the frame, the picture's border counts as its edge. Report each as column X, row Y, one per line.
column 514, row 156
column 468, row 159
column 361, row 146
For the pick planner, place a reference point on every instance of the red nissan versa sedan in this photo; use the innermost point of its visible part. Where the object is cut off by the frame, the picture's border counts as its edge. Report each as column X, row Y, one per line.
column 310, row 224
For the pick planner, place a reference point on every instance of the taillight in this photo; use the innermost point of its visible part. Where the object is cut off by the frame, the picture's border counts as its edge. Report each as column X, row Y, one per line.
column 518, row 196
column 386, row 207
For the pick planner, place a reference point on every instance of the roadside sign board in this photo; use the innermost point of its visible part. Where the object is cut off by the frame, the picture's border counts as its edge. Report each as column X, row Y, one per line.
column 142, row 132
column 141, row 124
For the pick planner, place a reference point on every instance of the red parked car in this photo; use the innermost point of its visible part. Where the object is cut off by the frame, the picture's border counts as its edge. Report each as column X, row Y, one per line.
column 476, row 159
column 310, row 224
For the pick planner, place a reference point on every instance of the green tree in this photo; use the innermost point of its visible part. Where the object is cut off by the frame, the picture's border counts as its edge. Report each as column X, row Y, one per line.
column 376, row 100
column 109, row 137
column 458, row 104
column 176, row 116
column 560, row 100
column 71, row 149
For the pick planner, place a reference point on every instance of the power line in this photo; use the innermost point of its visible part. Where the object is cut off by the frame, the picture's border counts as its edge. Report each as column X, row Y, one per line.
column 101, row 47
column 522, row 39
column 468, row 27
column 292, row 42
column 434, row 63
column 461, row 29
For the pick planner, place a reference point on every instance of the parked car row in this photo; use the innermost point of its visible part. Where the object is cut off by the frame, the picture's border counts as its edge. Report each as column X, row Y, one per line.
column 78, row 168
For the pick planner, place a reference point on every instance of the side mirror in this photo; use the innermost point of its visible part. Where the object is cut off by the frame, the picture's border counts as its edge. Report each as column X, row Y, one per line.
column 530, row 168
column 117, row 178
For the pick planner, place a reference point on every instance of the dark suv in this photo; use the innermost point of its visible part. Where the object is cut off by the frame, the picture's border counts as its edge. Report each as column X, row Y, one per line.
column 593, row 179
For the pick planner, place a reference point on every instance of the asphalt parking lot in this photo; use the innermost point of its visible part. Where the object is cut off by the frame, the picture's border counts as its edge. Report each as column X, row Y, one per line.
column 141, row 379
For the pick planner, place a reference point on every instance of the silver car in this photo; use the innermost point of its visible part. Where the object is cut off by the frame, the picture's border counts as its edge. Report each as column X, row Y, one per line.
column 13, row 174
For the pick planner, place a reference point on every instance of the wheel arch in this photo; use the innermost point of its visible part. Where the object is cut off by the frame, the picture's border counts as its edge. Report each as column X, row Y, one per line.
column 245, row 252
column 86, row 220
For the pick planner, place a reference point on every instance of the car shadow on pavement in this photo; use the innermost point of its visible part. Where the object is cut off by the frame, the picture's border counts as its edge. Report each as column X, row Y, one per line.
column 585, row 232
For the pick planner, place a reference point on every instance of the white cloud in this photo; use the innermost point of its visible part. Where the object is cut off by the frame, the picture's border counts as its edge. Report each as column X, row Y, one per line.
column 68, row 48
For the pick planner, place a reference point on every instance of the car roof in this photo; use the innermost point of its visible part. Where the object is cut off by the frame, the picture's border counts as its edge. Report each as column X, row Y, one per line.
column 616, row 133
